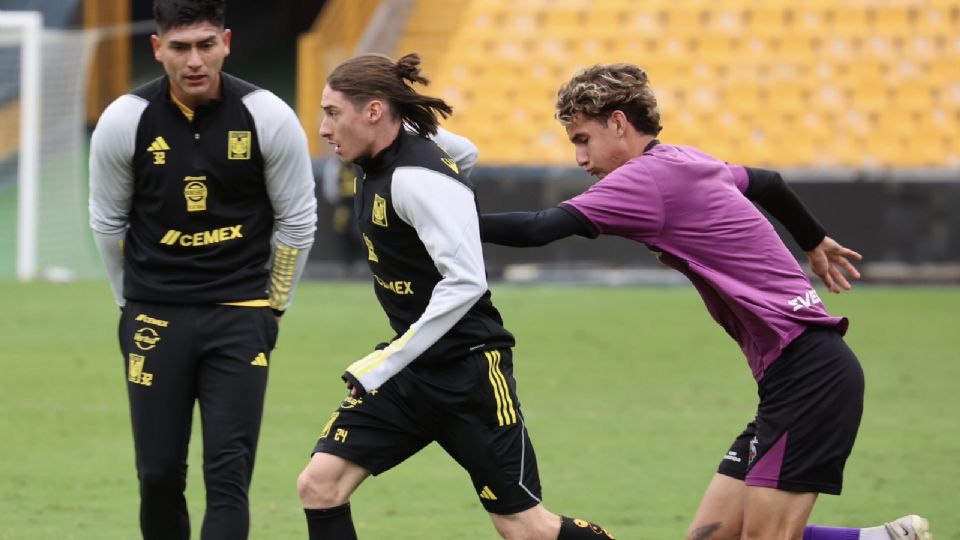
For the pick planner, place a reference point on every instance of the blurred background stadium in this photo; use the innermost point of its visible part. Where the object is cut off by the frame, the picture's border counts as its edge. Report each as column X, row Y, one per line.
column 857, row 101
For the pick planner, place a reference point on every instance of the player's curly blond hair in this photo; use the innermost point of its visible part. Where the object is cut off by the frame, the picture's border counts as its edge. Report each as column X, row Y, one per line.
column 597, row 91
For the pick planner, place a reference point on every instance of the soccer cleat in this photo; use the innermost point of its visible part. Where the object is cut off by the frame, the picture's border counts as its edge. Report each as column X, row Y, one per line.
column 911, row 527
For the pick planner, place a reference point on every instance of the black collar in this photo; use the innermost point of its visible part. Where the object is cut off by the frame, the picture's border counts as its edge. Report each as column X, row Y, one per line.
column 385, row 158
column 650, row 146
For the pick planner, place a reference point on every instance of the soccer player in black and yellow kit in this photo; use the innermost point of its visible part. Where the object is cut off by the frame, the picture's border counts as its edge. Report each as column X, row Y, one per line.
column 202, row 204
column 447, row 376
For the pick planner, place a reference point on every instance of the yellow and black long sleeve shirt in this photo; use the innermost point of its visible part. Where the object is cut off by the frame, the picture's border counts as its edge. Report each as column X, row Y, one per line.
column 209, row 206
column 418, row 217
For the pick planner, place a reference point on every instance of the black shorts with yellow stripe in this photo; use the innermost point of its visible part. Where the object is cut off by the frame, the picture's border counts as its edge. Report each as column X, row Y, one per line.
column 468, row 405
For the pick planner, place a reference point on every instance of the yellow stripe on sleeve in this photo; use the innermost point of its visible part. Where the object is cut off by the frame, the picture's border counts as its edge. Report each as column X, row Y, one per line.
column 281, row 275
column 377, row 358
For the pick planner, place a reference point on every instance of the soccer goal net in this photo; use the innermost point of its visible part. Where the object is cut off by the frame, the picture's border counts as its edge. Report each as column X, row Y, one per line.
column 43, row 155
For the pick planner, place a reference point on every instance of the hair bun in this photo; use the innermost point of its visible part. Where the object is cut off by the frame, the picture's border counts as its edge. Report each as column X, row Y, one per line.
column 408, row 68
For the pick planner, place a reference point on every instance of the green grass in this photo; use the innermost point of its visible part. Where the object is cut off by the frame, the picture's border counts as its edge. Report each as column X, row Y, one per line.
column 631, row 395
column 65, row 240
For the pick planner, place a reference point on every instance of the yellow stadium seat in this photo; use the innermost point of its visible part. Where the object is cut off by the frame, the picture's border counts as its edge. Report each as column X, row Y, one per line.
column 715, row 48
column 864, row 71
column 607, row 18
column 849, row 21
column 791, row 97
column 897, row 121
column 811, row 19
column 934, row 21
column 892, row 21
column 675, row 48
column 796, row 48
column 878, row 149
column 815, row 124
column 633, row 49
column 853, row 122
column 647, row 22
column 924, row 151
column 870, row 98
column 724, row 20
column 684, row 20
column 882, row 47
column 554, row 19
column 828, row 99
column 913, row 96
column 742, row 73
column 923, row 47
column 757, row 48
column 767, row 19
column 949, row 97
column 745, row 99
column 943, row 71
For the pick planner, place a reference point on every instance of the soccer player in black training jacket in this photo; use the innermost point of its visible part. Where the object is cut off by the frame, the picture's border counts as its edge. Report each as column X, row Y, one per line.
column 202, row 204
column 447, row 376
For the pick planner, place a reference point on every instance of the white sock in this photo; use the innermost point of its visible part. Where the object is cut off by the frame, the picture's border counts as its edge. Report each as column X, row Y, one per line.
column 874, row 533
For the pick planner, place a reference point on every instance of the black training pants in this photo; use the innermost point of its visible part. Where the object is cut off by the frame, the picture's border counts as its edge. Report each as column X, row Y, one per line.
column 215, row 355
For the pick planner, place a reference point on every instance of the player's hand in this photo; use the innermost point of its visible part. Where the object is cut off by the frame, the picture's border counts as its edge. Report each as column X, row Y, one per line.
column 354, row 386
column 828, row 259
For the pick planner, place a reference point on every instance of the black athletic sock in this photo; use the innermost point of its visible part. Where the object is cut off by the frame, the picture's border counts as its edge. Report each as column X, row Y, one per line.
column 330, row 523
column 578, row 529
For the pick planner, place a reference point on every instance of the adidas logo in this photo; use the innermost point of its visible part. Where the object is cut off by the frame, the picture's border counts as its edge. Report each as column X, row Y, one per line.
column 159, row 145
column 485, row 493
column 260, row 360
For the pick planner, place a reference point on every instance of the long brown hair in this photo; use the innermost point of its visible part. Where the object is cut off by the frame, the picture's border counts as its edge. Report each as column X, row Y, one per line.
column 376, row 76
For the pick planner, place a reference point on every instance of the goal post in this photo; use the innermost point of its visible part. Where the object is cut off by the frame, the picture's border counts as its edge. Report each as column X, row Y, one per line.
column 29, row 24
column 44, row 231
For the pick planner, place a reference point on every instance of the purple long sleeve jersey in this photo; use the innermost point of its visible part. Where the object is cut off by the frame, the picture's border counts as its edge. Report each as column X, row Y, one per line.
column 689, row 209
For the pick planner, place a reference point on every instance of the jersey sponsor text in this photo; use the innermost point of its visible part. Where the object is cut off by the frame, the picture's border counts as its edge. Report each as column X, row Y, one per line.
column 810, row 299
column 203, row 238
column 396, row 287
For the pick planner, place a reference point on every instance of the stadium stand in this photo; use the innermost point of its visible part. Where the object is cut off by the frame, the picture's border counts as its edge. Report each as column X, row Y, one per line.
column 819, row 83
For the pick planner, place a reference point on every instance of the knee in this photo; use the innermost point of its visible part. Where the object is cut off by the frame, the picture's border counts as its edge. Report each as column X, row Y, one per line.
column 319, row 488
column 162, row 480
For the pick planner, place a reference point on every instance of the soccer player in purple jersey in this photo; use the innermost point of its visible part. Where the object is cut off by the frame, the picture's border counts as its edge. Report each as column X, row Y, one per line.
column 695, row 213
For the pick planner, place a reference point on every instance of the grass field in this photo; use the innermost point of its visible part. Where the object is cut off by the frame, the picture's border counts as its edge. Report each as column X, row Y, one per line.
column 631, row 395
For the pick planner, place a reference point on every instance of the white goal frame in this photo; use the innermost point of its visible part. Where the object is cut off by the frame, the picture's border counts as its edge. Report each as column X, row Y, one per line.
column 30, row 24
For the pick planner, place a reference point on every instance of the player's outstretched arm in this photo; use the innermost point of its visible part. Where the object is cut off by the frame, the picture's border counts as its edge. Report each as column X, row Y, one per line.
column 530, row 229
column 828, row 259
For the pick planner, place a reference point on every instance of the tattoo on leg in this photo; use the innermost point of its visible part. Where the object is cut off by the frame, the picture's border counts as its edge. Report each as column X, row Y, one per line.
column 705, row 532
